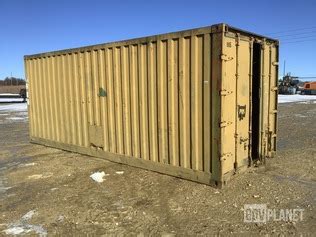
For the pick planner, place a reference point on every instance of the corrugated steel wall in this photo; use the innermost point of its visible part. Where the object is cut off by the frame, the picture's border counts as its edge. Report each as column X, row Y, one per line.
column 157, row 104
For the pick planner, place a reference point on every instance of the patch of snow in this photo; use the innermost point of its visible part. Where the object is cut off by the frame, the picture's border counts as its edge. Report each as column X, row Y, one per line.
column 15, row 118
column 295, row 98
column 28, row 215
column 98, row 176
column 119, row 172
column 15, row 230
column 9, row 94
column 40, row 176
column 19, row 228
column 27, row 164
column 22, row 227
column 20, row 107
column 11, row 100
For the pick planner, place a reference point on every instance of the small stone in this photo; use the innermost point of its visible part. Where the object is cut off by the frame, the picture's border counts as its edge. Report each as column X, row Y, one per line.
column 256, row 196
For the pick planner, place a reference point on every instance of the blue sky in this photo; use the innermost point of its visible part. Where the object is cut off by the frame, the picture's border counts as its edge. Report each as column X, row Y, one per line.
column 33, row 26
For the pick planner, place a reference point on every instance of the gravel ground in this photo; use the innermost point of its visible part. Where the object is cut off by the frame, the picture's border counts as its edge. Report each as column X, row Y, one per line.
column 48, row 191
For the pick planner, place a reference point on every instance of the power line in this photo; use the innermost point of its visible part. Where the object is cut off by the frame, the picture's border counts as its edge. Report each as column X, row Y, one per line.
column 297, row 34
column 299, row 41
column 292, row 30
column 298, row 38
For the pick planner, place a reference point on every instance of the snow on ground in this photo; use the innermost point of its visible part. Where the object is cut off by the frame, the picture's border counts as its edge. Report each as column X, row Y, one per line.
column 16, row 112
column 9, row 94
column 14, row 107
column 11, row 100
column 295, row 98
column 22, row 227
column 98, row 176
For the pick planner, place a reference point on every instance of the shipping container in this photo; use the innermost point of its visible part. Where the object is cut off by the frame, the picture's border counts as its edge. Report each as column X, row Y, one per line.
column 198, row 104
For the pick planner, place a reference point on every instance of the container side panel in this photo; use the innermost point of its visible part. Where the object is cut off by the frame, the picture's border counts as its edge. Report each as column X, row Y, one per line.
column 71, row 108
column 84, row 99
column 103, row 98
column 66, row 100
column 162, row 102
column 56, row 97
column 77, row 100
column 143, row 100
column 88, row 83
column 173, row 111
column 95, row 87
column 39, row 100
column 228, row 105
column 184, row 102
column 46, row 97
column 152, row 100
column 207, row 124
column 118, row 100
column 29, row 79
column 126, row 100
column 111, row 100
column 134, row 100
column 49, row 86
column 196, row 102
column 42, row 99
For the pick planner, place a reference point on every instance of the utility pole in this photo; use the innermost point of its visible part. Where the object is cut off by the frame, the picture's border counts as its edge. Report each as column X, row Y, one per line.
column 284, row 69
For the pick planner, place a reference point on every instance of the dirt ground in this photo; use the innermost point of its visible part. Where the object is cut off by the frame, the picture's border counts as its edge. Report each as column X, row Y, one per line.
column 48, row 191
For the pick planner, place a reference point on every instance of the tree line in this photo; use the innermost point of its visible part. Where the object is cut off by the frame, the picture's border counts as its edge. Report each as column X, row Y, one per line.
column 12, row 81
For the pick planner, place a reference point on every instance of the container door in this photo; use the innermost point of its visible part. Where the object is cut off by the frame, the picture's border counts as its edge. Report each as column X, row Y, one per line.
column 242, row 109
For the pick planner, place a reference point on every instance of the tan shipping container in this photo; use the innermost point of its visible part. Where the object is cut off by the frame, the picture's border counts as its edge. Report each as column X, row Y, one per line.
column 198, row 104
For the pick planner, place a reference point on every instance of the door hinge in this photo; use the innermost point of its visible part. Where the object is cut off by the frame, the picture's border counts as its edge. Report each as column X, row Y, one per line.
column 274, row 111
column 225, row 57
column 274, row 88
column 275, row 63
column 224, row 124
column 225, row 92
